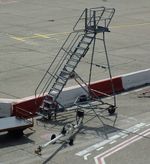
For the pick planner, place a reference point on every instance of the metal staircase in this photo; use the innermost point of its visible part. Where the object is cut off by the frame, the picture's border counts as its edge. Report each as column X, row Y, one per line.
column 77, row 44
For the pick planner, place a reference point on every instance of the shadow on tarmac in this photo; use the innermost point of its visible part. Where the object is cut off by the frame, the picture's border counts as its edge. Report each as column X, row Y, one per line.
column 7, row 140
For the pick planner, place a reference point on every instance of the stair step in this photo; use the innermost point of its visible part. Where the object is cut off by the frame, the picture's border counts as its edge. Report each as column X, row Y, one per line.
column 58, row 83
column 62, row 78
column 41, row 114
column 78, row 54
column 52, row 94
column 73, row 63
column 69, row 65
column 74, row 60
column 65, row 72
column 59, row 87
column 48, row 102
column 80, row 48
column 56, row 89
column 85, row 42
column 46, row 108
column 89, row 37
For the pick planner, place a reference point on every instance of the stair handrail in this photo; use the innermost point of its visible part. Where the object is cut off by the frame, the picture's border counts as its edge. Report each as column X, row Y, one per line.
column 80, row 18
column 50, row 66
column 94, row 10
column 112, row 12
column 88, row 18
column 72, row 43
column 59, row 63
column 68, row 53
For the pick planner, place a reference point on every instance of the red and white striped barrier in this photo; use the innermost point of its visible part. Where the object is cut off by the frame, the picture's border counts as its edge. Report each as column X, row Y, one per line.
column 103, row 87
column 136, row 79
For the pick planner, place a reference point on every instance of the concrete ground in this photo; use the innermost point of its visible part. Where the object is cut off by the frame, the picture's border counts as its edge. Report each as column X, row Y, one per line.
column 31, row 32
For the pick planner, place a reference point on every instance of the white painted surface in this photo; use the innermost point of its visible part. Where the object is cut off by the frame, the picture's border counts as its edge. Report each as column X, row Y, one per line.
column 136, row 79
column 110, row 140
column 100, row 159
column 6, row 107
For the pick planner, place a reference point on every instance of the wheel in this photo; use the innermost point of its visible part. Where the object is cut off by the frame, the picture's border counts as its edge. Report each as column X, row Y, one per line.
column 79, row 115
column 71, row 141
column 111, row 110
column 52, row 137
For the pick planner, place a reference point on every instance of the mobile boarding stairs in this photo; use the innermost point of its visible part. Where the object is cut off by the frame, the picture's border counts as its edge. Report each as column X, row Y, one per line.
column 92, row 21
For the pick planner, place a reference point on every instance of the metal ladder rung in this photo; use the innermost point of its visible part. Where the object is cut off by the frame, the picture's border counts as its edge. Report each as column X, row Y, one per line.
column 65, row 72
column 56, row 89
column 85, row 42
column 62, row 78
column 74, row 60
column 59, row 83
column 44, row 108
column 52, row 94
column 48, row 102
column 71, row 66
column 89, row 37
column 78, row 54
column 80, row 48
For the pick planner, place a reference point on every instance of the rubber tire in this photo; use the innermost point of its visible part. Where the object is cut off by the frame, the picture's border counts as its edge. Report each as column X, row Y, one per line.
column 71, row 141
column 53, row 137
column 111, row 110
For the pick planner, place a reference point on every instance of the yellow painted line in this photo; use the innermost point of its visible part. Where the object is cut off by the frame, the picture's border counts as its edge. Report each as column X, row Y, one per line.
column 18, row 38
column 42, row 36
column 46, row 36
column 50, row 36
column 59, row 33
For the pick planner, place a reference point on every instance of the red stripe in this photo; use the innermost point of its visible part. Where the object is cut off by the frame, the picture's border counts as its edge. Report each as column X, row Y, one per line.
column 31, row 105
column 105, row 86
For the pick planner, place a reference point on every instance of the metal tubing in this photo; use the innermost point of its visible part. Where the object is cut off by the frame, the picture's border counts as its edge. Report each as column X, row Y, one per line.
column 92, row 57
column 52, row 141
column 113, row 89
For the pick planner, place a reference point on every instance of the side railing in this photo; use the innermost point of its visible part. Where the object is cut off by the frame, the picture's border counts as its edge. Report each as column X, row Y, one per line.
column 93, row 17
column 89, row 17
column 99, row 16
column 57, row 64
column 24, row 114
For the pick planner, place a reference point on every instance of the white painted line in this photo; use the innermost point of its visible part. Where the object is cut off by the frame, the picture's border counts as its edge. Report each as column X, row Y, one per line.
column 100, row 158
column 100, row 144
column 140, row 125
column 91, row 148
column 129, row 92
column 147, row 125
column 123, row 146
column 85, row 156
column 100, row 148
column 125, row 93
column 124, row 136
column 114, row 137
column 137, row 90
column 112, row 142
column 136, row 130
